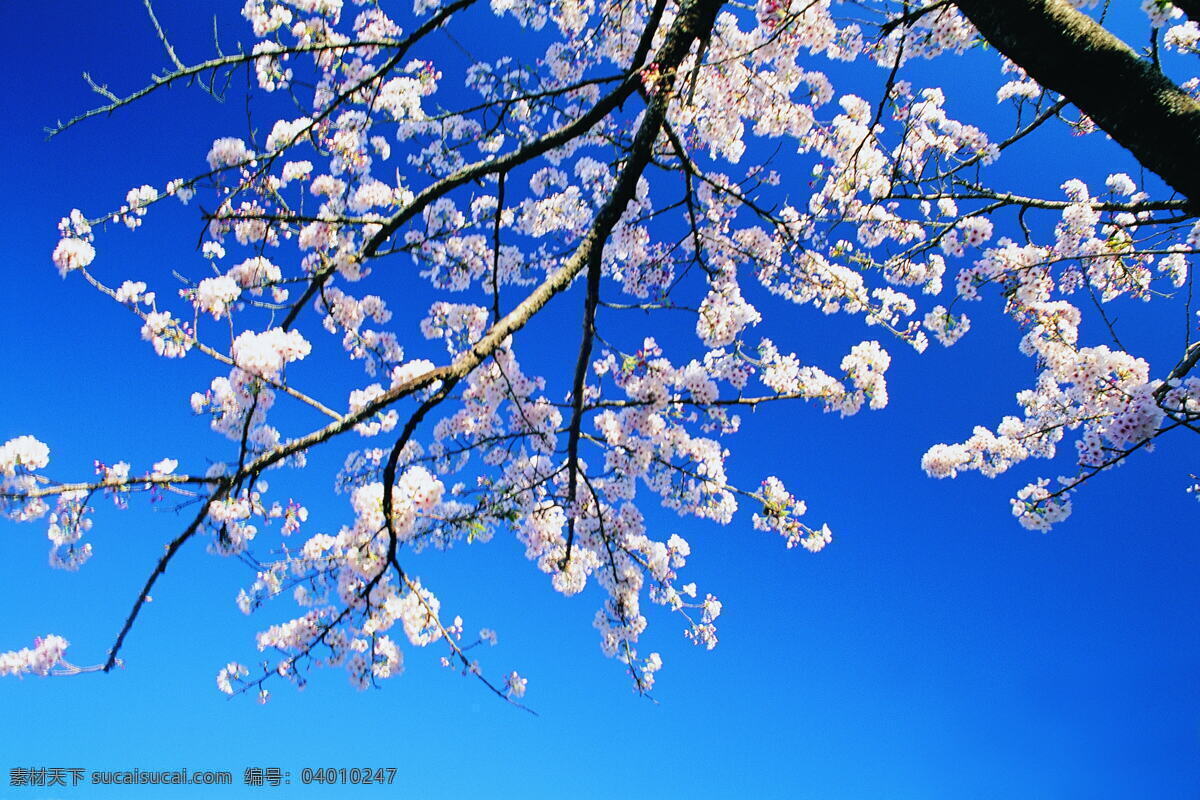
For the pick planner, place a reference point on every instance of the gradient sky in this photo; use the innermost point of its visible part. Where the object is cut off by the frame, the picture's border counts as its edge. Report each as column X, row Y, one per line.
column 935, row 649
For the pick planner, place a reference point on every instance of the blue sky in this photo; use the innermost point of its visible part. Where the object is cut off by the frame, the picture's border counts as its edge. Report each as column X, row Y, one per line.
column 935, row 649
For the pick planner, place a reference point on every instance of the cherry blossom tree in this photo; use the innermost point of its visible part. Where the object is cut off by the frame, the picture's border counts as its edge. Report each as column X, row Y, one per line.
column 646, row 166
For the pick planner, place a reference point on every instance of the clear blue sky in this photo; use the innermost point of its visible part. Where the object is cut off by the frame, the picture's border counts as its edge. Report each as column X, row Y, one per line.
column 936, row 649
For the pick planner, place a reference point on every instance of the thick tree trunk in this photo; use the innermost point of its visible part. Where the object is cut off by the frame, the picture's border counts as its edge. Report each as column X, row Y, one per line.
column 1189, row 7
column 1068, row 52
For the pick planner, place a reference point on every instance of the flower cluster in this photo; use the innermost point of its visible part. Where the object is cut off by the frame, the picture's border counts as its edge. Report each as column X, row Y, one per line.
column 779, row 512
column 265, row 354
column 47, row 653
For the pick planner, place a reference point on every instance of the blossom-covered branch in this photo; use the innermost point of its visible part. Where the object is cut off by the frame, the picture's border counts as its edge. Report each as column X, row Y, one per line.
column 691, row 160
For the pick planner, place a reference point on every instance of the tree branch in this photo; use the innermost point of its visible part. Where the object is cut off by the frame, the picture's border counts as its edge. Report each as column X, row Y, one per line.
column 1067, row 51
column 491, row 166
column 1189, row 7
column 159, row 569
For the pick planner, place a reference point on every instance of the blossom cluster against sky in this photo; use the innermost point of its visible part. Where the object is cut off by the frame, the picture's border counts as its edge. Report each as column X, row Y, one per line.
column 934, row 648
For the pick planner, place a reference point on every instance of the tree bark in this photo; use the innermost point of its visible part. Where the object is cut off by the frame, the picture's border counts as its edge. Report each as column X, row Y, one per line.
column 1126, row 96
column 1189, row 7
